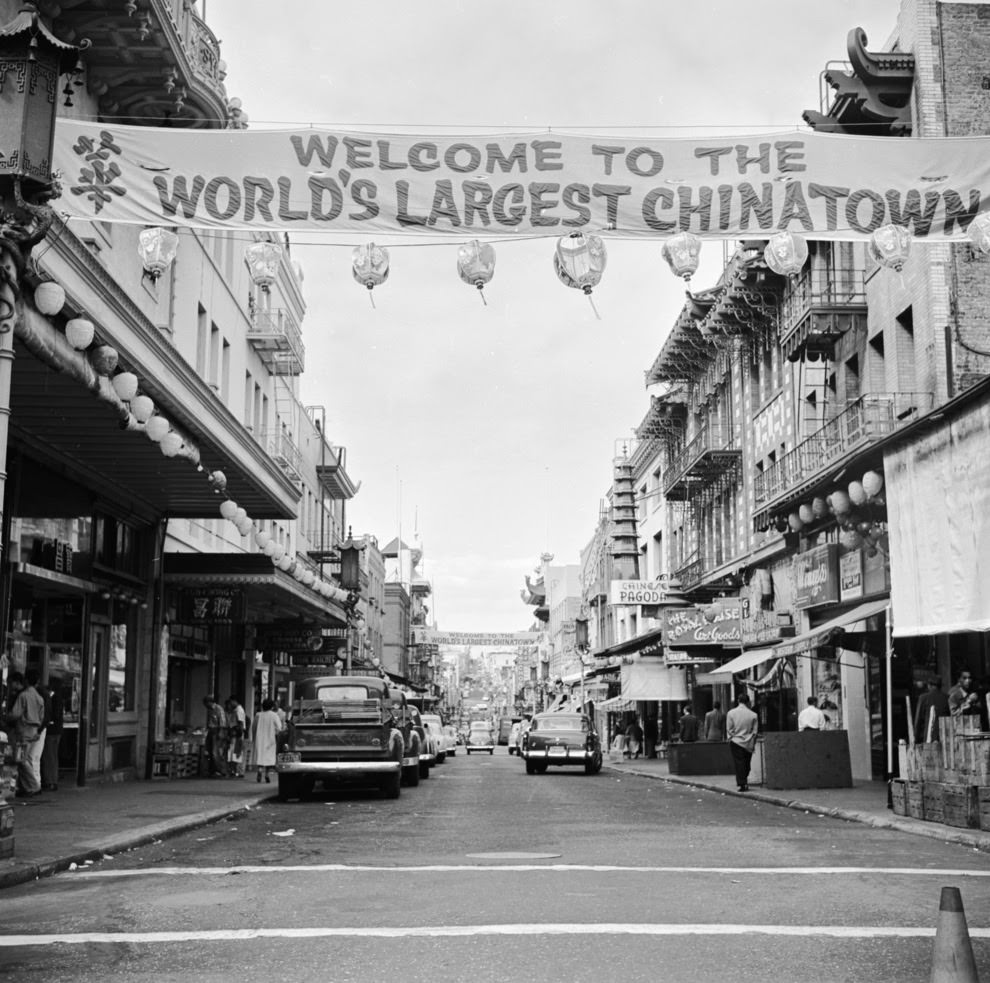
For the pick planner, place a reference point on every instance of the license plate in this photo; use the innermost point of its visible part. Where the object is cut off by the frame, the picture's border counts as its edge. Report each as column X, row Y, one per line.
column 558, row 752
column 289, row 758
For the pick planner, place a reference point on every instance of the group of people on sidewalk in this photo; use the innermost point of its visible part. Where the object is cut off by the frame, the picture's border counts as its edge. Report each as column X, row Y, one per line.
column 33, row 719
column 227, row 727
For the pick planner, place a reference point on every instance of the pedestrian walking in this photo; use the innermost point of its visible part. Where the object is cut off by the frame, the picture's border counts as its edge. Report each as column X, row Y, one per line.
column 688, row 729
column 216, row 738
column 26, row 719
column 740, row 726
column 634, row 739
column 53, row 736
column 236, row 735
column 714, row 726
column 265, row 731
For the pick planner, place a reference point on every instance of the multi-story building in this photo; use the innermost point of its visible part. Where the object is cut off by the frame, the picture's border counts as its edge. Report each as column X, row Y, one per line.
column 146, row 403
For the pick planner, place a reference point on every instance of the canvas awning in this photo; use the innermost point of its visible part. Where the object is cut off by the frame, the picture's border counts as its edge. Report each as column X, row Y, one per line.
column 824, row 634
column 616, row 705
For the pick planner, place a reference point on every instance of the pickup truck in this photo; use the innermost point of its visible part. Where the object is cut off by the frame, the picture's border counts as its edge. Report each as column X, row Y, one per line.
column 344, row 728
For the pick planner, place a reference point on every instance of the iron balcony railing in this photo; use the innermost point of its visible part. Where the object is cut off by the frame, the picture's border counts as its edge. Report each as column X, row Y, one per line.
column 283, row 451
column 819, row 289
column 276, row 336
column 704, row 455
column 862, row 422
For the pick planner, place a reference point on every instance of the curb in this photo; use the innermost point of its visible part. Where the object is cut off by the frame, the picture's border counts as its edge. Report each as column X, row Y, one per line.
column 46, row 866
column 934, row 831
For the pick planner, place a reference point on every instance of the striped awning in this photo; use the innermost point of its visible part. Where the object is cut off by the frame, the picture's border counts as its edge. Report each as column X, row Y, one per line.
column 616, row 705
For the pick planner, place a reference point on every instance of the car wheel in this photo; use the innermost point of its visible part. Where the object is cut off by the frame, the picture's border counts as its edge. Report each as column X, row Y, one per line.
column 530, row 768
column 288, row 788
column 469, row 752
column 541, row 769
column 441, row 757
column 410, row 775
column 424, row 769
column 594, row 765
column 491, row 750
column 391, row 785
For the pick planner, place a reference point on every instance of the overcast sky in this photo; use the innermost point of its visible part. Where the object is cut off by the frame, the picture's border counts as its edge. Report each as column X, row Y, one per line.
column 491, row 430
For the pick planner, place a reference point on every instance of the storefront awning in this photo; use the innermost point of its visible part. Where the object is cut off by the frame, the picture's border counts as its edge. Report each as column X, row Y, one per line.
column 649, row 680
column 822, row 635
column 616, row 705
column 650, row 640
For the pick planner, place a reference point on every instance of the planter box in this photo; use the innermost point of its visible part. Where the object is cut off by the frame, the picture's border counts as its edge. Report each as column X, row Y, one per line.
column 700, row 758
column 810, row 759
column 898, row 795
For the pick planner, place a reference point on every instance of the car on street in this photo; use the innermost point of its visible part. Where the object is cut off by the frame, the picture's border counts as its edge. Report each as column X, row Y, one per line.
column 561, row 739
column 453, row 741
column 346, row 728
column 434, row 724
column 428, row 743
column 480, row 737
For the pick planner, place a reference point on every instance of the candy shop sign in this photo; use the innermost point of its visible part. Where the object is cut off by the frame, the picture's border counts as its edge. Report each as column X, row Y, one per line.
column 821, row 185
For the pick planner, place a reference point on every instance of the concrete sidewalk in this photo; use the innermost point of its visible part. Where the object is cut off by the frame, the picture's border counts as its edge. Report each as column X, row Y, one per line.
column 74, row 825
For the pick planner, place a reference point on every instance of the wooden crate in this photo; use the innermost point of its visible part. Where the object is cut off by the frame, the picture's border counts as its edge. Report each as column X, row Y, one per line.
column 915, row 800
column 983, row 806
column 960, row 806
column 898, row 794
column 162, row 767
column 934, row 809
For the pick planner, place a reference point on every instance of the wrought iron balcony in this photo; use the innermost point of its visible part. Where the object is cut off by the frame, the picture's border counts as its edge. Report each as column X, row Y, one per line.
column 712, row 452
column 284, row 452
column 861, row 423
column 819, row 306
column 276, row 337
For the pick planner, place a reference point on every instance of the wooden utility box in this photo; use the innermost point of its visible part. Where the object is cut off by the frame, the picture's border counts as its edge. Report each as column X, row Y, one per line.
column 700, row 758
column 809, row 759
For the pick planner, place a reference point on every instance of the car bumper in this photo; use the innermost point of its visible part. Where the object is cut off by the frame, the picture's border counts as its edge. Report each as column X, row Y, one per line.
column 337, row 767
column 480, row 747
column 572, row 756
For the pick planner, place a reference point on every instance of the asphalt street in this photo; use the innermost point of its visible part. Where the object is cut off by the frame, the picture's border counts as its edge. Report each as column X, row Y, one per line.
column 483, row 873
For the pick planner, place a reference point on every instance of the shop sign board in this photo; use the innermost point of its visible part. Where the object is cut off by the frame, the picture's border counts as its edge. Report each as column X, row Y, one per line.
column 211, row 606
column 718, row 624
column 816, row 576
column 637, row 592
column 851, row 575
column 292, row 640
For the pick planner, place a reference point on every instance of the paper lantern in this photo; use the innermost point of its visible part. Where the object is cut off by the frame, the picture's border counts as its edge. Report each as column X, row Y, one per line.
column 228, row 508
column 979, row 233
column 278, row 554
column 805, row 514
column 142, row 408
column 840, row 503
column 850, row 539
column 157, row 248
column 857, row 494
column 285, row 563
column 79, row 333
column 786, row 253
column 239, row 516
column 156, row 428
column 125, row 385
column 104, row 359
column 682, row 253
column 245, row 527
column 579, row 261
column 476, row 264
column 794, row 521
column 890, row 245
column 872, row 483
column 171, row 443
column 49, row 297
column 262, row 538
column 219, row 480
column 819, row 508
column 369, row 265
column 263, row 259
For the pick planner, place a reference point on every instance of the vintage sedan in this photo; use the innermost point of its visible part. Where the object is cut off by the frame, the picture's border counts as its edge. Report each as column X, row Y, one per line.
column 481, row 737
column 561, row 738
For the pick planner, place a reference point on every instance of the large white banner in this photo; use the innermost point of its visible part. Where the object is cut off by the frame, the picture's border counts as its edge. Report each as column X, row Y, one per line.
column 491, row 639
column 938, row 507
column 826, row 186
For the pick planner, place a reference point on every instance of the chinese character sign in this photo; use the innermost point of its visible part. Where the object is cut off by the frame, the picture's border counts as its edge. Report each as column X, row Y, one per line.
column 212, row 606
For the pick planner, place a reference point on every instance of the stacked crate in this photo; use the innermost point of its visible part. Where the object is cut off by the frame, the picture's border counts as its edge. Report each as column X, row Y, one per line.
column 175, row 759
column 947, row 781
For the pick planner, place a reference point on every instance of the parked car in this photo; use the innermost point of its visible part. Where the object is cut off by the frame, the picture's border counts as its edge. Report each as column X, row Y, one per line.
column 452, row 739
column 561, row 738
column 480, row 737
column 434, row 724
column 428, row 743
column 346, row 728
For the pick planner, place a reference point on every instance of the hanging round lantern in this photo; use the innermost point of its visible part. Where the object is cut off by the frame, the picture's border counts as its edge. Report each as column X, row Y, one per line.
column 228, row 508
column 286, row 562
column 49, row 297
column 786, row 253
column 270, row 548
column 125, row 385
column 245, row 528
column 840, row 503
column 890, row 245
column 157, row 248
column 142, row 407
column 171, row 443
column 579, row 261
column 794, row 521
column 278, row 554
column 262, row 538
column 872, row 483
column 979, row 233
column 864, row 527
column 682, row 253
column 476, row 264
column 780, row 524
column 805, row 514
column 156, row 428
column 104, row 359
column 239, row 516
column 263, row 259
column 79, row 333
column 369, row 265
column 857, row 494
column 850, row 539
column 219, row 481
column 819, row 508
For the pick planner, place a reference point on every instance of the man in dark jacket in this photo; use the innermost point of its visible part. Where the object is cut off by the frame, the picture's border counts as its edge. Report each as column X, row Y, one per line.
column 935, row 699
column 689, row 725
column 55, row 707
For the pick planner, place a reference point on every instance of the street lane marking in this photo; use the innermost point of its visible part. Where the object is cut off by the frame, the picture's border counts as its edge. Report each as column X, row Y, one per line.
column 474, row 931
column 87, row 873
